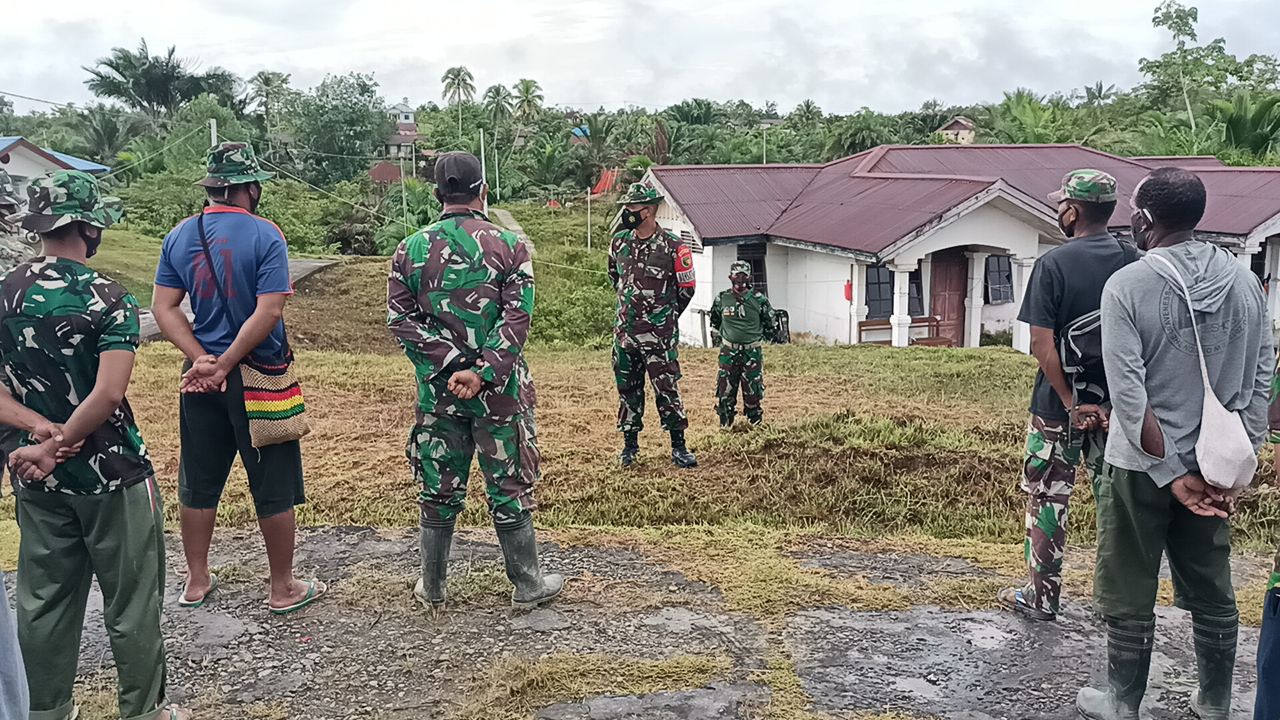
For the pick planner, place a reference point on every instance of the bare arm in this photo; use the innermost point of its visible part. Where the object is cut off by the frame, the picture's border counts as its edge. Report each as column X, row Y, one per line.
column 115, row 367
column 266, row 316
column 166, row 307
column 1046, row 353
column 16, row 415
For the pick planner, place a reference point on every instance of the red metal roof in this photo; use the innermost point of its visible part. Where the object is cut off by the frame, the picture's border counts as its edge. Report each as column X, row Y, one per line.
column 734, row 200
column 608, row 181
column 869, row 201
column 385, row 173
column 1190, row 162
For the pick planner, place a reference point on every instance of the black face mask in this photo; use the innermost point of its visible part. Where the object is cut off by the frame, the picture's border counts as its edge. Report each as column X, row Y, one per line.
column 631, row 219
column 254, row 199
column 1140, row 225
column 91, row 242
column 1067, row 230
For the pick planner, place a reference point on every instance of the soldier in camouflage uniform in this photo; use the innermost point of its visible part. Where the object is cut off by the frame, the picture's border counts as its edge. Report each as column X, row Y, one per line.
column 14, row 246
column 652, row 270
column 744, row 320
column 1066, row 284
column 87, row 500
column 459, row 299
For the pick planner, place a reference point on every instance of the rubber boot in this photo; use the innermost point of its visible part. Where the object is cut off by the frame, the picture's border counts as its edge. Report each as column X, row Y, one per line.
column 726, row 422
column 756, row 419
column 1128, row 664
column 630, row 449
column 434, row 541
column 680, row 454
column 1215, row 638
column 520, row 554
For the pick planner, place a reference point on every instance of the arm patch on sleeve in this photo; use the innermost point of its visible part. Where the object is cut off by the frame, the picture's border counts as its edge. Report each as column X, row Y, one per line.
column 685, row 276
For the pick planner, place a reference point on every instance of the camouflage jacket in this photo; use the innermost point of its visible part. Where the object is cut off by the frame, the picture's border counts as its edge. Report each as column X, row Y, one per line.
column 459, row 297
column 743, row 320
column 56, row 319
column 654, row 278
column 15, row 249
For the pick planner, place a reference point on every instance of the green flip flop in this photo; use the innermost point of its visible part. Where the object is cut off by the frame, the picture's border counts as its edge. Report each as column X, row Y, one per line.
column 183, row 602
column 315, row 591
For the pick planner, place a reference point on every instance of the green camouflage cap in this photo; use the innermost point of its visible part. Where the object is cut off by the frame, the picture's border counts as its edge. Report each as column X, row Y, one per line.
column 640, row 194
column 1092, row 186
column 740, row 267
column 68, row 196
column 8, row 191
column 233, row 163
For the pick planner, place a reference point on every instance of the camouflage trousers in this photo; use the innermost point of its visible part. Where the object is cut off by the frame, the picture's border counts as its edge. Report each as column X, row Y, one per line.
column 631, row 366
column 1053, row 452
column 740, row 365
column 440, row 450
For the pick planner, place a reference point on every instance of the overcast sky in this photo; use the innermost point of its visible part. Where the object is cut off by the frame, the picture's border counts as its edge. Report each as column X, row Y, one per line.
column 885, row 54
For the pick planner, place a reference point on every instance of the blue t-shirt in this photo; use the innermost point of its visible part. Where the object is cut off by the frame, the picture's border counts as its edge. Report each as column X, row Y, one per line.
column 250, row 259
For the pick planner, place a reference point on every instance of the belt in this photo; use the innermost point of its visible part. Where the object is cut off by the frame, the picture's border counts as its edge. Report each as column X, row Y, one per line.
column 742, row 346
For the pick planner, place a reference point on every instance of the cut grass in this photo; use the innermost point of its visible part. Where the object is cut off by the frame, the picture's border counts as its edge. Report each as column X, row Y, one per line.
column 130, row 259
column 515, row 687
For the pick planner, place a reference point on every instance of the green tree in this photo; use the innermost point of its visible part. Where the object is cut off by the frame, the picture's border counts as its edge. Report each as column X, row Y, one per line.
column 459, row 88
column 1249, row 124
column 106, row 131
column 342, row 124
column 498, row 103
column 600, row 150
column 269, row 91
column 806, row 115
column 1024, row 117
column 693, row 112
column 157, row 85
column 412, row 205
column 857, row 133
column 528, row 99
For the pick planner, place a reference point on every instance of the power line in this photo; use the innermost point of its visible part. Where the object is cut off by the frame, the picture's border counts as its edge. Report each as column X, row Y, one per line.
column 153, row 155
column 34, row 99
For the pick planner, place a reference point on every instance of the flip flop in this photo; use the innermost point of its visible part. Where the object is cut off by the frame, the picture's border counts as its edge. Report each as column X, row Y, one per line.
column 183, row 602
column 315, row 591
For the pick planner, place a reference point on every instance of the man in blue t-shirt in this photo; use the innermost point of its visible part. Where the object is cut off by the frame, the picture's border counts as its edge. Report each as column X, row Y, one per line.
column 234, row 266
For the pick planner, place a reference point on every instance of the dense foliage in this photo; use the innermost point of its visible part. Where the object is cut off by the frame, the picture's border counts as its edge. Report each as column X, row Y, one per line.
column 1196, row 99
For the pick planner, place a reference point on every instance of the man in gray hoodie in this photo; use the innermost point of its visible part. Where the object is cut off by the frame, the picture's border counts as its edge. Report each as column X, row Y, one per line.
column 1151, row 498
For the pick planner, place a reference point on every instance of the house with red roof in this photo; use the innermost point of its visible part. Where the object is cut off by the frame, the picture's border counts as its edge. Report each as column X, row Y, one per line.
column 931, row 245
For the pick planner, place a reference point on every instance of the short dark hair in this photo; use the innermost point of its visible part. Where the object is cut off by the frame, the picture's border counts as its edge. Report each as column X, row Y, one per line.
column 1175, row 198
column 459, row 198
column 61, row 233
column 1094, row 213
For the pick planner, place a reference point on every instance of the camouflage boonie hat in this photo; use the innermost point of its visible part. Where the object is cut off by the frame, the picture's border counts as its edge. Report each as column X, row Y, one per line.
column 740, row 267
column 68, row 196
column 640, row 194
column 233, row 163
column 1092, row 186
column 8, row 191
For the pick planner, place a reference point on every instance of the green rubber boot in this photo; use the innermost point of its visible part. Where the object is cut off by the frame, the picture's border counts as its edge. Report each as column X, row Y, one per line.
column 1128, row 664
column 520, row 554
column 434, row 541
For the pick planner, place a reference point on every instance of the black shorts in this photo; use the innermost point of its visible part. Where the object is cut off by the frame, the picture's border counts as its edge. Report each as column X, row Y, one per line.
column 214, row 429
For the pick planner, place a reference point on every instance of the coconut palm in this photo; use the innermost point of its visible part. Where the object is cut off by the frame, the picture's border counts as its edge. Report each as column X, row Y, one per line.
column 459, row 87
column 106, row 131
column 267, row 90
column 498, row 102
column 1249, row 124
column 857, row 133
column 1097, row 95
column 528, row 99
column 157, row 85
column 807, row 114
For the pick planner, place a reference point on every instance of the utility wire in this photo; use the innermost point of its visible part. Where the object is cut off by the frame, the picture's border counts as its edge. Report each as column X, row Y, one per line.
column 153, row 155
column 34, row 99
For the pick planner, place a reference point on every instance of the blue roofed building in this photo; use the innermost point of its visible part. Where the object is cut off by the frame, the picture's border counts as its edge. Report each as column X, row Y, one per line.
column 24, row 160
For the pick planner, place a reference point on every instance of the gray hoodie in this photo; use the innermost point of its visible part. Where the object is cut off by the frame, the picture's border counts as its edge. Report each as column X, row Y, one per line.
column 1149, row 351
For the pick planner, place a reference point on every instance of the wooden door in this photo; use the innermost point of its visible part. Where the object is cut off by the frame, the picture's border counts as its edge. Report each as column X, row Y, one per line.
column 948, row 288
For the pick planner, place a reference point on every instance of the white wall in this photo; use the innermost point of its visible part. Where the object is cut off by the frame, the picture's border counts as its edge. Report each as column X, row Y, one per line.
column 25, row 165
column 996, row 318
column 986, row 226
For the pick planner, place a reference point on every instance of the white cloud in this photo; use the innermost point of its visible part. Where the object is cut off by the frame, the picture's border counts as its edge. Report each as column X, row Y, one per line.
column 885, row 55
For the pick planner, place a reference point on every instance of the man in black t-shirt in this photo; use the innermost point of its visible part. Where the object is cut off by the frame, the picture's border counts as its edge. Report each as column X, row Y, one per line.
column 1066, row 283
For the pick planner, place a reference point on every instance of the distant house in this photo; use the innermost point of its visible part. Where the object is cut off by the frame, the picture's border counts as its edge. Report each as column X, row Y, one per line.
column 580, row 135
column 23, row 160
column 385, row 173
column 401, row 143
column 959, row 130
column 906, row 245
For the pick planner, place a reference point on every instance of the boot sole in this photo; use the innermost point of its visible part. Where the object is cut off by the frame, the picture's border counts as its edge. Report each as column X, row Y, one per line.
column 534, row 604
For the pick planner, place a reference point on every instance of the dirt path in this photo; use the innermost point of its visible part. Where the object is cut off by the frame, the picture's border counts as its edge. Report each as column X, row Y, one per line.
column 298, row 270
column 631, row 638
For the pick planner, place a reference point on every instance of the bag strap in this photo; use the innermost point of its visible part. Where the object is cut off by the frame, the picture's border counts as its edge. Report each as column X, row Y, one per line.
column 1186, row 293
column 286, row 350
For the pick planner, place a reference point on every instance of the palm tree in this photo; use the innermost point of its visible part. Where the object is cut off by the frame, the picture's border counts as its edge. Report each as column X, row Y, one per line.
column 1248, row 124
column 106, row 131
column 547, row 166
column 528, row 99
column 807, row 114
column 693, row 112
column 267, row 91
column 600, row 151
column 157, row 85
column 1024, row 117
column 498, row 102
column 459, row 87
column 1097, row 95
column 857, row 133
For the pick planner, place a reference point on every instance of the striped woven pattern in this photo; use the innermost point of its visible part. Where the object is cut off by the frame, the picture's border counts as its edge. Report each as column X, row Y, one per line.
column 274, row 403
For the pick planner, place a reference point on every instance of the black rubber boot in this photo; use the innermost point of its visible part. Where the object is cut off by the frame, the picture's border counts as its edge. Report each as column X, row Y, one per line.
column 1128, row 664
column 1215, row 638
column 726, row 422
column 520, row 554
column 434, row 541
column 630, row 449
column 757, row 419
column 680, row 454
